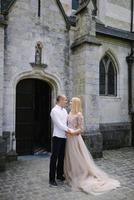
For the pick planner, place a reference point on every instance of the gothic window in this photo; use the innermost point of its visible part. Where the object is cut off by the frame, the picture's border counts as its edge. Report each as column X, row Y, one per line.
column 102, row 78
column 75, row 4
column 108, row 77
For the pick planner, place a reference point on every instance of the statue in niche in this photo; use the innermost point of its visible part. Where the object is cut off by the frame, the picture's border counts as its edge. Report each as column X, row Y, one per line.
column 38, row 53
column 38, row 56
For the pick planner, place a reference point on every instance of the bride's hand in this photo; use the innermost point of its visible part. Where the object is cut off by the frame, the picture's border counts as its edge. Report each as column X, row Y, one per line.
column 68, row 132
column 76, row 132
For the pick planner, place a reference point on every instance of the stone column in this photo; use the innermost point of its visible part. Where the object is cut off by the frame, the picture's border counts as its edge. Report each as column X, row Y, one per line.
column 2, row 141
column 1, row 74
column 133, row 87
column 130, row 61
column 85, row 49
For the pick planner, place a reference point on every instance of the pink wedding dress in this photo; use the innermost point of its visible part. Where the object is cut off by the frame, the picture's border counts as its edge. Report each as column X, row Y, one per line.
column 80, row 170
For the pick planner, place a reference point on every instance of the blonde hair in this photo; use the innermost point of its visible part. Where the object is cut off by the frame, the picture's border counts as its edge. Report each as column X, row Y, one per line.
column 76, row 105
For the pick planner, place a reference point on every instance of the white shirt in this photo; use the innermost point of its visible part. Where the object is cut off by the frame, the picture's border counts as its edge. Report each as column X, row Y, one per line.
column 59, row 117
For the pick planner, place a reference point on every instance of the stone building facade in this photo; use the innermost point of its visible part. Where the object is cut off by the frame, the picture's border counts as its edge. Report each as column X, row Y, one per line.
column 46, row 48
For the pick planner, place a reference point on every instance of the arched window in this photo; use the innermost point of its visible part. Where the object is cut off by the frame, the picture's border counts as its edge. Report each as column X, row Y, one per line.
column 108, row 77
column 75, row 4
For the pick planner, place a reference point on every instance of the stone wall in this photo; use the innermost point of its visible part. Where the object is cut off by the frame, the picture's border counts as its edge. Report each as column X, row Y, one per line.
column 1, row 75
column 24, row 29
column 73, row 71
column 67, row 5
column 115, row 109
column 115, row 13
column 116, row 135
column 86, row 56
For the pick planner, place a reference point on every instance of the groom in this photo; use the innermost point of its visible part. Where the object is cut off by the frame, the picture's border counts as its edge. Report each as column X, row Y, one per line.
column 59, row 118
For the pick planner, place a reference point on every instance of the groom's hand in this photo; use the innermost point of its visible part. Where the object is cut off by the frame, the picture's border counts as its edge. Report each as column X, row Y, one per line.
column 68, row 132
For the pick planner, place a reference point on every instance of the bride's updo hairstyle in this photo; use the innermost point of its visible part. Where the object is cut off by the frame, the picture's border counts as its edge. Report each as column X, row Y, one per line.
column 76, row 105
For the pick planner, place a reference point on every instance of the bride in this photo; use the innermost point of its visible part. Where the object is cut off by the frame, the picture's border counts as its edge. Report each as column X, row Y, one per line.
column 80, row 171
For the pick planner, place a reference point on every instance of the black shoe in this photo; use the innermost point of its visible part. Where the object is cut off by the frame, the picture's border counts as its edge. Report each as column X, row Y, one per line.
column 53, row 183
column 61, row 178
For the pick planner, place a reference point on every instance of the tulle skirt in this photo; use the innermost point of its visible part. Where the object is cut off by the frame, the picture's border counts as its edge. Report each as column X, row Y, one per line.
column 81, row 172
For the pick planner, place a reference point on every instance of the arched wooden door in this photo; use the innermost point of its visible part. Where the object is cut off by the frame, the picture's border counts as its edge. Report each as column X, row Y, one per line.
column 33, row 123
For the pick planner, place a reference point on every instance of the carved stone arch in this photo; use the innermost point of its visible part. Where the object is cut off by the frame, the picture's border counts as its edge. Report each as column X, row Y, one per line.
column 113, row 57
column 52, row 80
column 34, row 96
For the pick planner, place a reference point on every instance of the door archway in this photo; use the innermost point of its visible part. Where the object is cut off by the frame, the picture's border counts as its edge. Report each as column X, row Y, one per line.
column 33, row 123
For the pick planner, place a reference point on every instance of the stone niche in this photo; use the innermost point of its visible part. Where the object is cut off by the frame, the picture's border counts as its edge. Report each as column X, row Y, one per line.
column 38, row 56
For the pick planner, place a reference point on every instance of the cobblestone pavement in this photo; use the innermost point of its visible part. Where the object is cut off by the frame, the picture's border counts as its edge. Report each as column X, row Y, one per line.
column 27, row 179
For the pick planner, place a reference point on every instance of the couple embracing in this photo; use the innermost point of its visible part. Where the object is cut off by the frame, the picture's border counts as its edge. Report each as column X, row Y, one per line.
column 70, row 159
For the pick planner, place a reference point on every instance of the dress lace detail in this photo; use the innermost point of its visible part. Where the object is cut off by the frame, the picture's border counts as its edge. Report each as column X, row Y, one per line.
column 75, row 121
column 80, row 170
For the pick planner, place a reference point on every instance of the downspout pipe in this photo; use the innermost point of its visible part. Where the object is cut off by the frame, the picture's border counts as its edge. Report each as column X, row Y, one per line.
column 132, row 17
column 130, row 61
